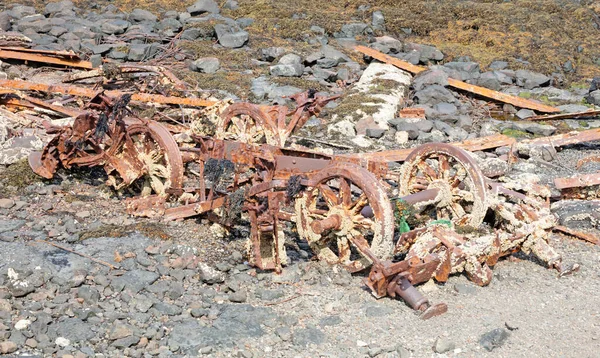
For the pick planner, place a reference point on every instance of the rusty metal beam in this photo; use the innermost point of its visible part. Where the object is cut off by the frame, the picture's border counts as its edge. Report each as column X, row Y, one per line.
column 577, row 181
column 472, row 145
column 566, row 138
column 481, row 91
column 589, row 237
column 90, row 93
column 189, row 210
column 44, row 58
column 585, row 114
column 27, row 101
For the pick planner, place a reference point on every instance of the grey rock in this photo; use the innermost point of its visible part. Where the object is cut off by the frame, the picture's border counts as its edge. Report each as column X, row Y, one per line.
column 304, row 337
column 5, row 24
column 505, row 77
column 333, row 53
column 271, row 53
column 231, row 5
column 387, row 44
column 120, row 330
column 330, row 321
column 572, row 108
column 434, row 94
column 402, row 125
column 498, row 65
column 206, row 65
column 39, row 26
column 466, row 289
column 529, row 80
column 21, row 11
column 238, row 296
column 445, row 109
column 430, row 77
column 284, row 333
column 74, row 329
column 125, row 342
column 426, row 53
column 375, row 132
column 443, row 345
column 203, row 6
column 354, row 29
column 323, row 74
column 192, row 34
column 593, row 98
column 169, row 24
column 134, row 281
column 96, row 61
column 489, row 80
column 535, row 128
column 492, row 168
column 467, row 70
column 378, row 21
column 140, row 52
column 90, row 295
column 236, row 322
column 290, row 70
column 59, row 6
column 140, row 15
column 167, row 308
column 494, row 339
column 57, row 31
column 6, row 203
column 525, row 113
column 578, row 214
column 326, row 62
column 269, row 295
column 230, row 36
column 115, row 27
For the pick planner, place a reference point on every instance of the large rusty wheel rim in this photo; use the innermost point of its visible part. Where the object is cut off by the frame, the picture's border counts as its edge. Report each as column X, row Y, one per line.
column 462, row 194
column 159, row 154
column 243, row 122
column 341, row 194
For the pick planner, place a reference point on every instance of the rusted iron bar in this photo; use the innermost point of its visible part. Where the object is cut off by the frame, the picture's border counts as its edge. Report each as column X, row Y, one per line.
column 476, row 144
column 33, row 102
column 43, row 58
column 481, row 91
column 566, row 138
column 63, row 54
column 90, row 93
column 577, row 181
column 585, row 114
column 589, row 237
column 194, row 209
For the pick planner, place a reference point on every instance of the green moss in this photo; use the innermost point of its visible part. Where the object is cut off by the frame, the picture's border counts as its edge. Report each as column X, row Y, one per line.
column 583, row 123
column 18, row 175
column 579, row 85
column 526, row 95
column 353, row 102
column 516, row 133
column 383, row 86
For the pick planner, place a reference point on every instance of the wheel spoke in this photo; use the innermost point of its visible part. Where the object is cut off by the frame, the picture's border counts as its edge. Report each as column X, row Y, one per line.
column 360, row 203
column 427, row 170
column 345, row 193
column 444, row 166
column 458, row 210
column 330, row 197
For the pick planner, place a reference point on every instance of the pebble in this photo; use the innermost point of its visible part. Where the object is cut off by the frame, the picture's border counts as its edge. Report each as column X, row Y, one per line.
column 443, row 345
column 62, row 342
column 6, row 203
column 7, row 347
column 494, row 339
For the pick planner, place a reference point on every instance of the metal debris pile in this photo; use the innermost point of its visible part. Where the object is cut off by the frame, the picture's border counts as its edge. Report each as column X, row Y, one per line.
column 231, row 161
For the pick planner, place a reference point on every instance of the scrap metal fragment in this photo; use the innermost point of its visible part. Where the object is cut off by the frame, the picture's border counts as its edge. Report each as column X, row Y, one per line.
column 481, row 91
column 585, row 114
column 90, row 93
column 60, row 58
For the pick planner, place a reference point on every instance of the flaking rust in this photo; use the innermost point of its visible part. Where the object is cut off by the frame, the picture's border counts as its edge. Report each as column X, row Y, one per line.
column 233, row 158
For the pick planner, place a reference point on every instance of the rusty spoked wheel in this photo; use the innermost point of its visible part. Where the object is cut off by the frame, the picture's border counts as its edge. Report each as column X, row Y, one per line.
column 461, row 186
column 244, row 122
column 346, row 202
column 159, row 155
